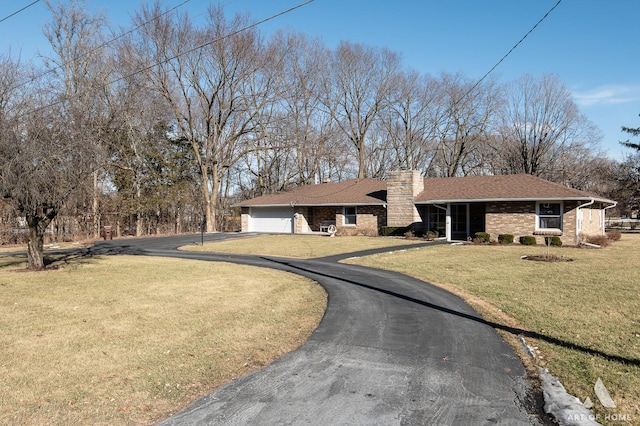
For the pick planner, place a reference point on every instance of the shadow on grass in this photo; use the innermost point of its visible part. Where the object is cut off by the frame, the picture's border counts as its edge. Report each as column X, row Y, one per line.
column 87, row 255
column 13, row 260
column 512, row 330
column 54, row 259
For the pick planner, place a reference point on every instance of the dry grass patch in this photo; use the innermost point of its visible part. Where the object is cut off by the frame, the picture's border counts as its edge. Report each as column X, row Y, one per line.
column 586, row 312
column 299, row 246
column 130, row 340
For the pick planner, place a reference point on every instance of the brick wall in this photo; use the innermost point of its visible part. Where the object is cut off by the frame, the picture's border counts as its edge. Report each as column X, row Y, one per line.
column 592, row 221
column 519, row 219
column 402, row 187
column 322, row 214
column 369, row 219
column 244, row 219
column 510, row 218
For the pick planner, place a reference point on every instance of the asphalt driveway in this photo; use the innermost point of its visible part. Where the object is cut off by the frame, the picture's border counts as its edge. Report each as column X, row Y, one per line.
column 390, row 350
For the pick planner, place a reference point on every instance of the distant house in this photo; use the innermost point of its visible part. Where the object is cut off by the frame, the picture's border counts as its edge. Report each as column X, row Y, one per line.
column 455, row 207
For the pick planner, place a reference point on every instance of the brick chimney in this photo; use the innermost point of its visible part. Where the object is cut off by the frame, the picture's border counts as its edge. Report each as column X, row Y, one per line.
column 402, row 187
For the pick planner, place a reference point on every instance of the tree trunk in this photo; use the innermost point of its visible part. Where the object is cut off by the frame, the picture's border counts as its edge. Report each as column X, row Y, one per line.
column 215, row 188
column 139, row 216
column 35, row 244
column 362, row 159
column 209, row 208
column 96, row 222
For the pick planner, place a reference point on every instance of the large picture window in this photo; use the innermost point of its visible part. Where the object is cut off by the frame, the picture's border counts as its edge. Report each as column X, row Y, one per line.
column 549, row 215
column 350, row 216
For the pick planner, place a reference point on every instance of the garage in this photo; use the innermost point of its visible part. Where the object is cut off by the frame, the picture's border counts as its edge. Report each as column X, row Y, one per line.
column 271, row 219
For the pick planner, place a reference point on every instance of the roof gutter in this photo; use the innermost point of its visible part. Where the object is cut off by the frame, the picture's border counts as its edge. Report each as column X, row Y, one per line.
column 604, row 216
column 602, row 223
column 484, row 200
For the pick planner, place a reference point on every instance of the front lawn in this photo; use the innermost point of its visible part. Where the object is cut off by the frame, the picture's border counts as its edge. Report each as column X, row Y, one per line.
column 299, row 246
column 131, row 340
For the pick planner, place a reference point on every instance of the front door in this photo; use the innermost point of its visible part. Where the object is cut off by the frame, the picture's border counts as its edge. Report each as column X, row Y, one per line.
column 476, row 218
column 459, row 223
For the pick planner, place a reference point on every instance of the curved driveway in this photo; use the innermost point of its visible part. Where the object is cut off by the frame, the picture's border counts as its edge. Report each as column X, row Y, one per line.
column 390, row 350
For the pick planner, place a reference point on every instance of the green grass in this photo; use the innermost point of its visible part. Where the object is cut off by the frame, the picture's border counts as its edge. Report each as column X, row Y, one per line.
column 131, row 340
column 585, row 313
column 299, row 246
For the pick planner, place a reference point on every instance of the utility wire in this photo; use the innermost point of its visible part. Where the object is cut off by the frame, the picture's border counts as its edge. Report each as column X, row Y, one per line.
column 200, row 46
column 18, row 11
column 31, row 80
column 510, row 50
column 210, row 42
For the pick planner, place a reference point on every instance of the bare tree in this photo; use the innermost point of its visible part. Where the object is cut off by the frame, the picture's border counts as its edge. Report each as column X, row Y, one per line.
column 541, row 127
column 360, row 80
column 414, row 112
column 294, row 133
column 78, row 70
column 49, row 126
column 204, row 76
column 42, row 164
column 468, row 117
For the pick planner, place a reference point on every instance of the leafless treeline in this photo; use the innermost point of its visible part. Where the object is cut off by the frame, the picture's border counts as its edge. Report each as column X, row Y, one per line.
column 176, row 120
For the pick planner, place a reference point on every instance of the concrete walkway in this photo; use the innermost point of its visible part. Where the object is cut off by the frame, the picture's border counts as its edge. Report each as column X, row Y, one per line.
column 390, row 350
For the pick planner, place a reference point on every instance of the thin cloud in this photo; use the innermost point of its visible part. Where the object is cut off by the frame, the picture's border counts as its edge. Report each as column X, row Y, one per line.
column 608, row 95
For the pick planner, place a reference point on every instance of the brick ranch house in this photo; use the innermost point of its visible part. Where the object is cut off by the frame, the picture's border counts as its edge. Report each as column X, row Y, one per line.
column 456, row 207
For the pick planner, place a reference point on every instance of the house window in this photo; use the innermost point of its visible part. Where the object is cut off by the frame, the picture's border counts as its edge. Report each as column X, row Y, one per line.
column 549, row 216
column 349, row 215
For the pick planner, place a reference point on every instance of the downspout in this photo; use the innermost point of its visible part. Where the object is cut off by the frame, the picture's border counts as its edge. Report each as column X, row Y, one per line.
column 604, row 216
column 447, row 226
column 578, row 218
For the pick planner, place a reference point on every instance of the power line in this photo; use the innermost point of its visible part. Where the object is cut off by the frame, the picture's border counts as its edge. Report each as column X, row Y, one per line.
column 200, row 46
column 208, row 43
column 511, row 50
column 100, row 46
column 18, row 11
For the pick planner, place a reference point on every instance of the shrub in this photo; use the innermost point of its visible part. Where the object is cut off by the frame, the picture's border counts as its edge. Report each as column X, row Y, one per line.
column 614, row 235
column 527, row 240
column 599, row 240
column 396, row 231
column 505, row 238
column 553, row 241
column 483, row 237
column 431, row 235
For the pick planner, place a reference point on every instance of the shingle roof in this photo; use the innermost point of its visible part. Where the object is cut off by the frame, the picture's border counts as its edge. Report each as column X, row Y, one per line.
column 493, row 188
column 436, row 190
column 350, row 192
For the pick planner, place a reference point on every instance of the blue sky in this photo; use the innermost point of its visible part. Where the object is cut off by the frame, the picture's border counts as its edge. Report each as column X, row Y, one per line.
column 590, row 44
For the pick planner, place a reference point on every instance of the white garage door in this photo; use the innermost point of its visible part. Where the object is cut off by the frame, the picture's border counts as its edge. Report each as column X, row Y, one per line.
column 271, row 219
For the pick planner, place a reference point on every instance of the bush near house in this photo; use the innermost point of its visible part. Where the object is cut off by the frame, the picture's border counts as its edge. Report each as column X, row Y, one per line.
column 393, row 231
column 483, row 237
column 553, row 241
column 599, row 240
column 527, row 240
column 431, row 235
column 505, row 238
column 614, row 235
